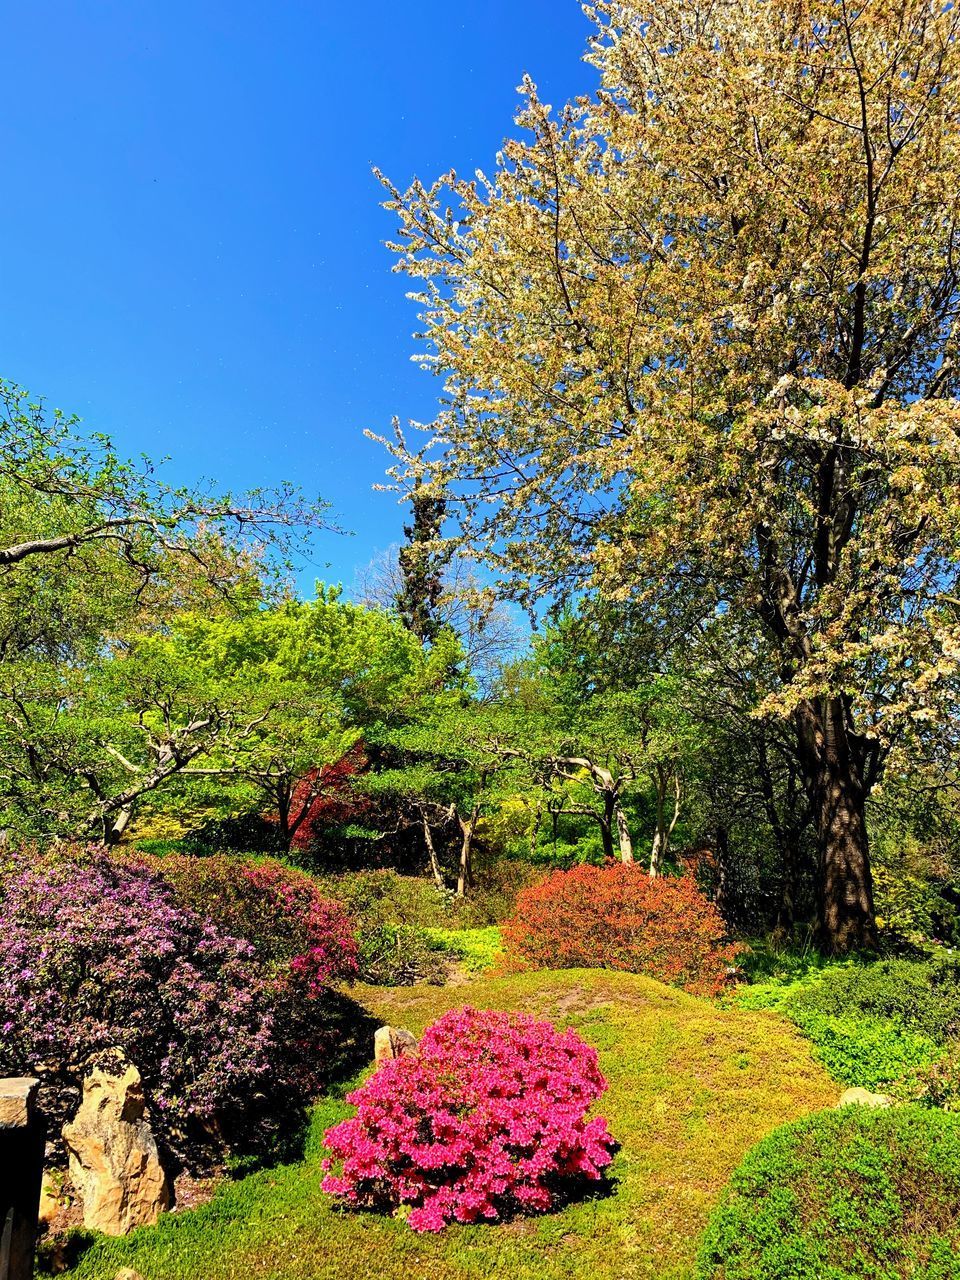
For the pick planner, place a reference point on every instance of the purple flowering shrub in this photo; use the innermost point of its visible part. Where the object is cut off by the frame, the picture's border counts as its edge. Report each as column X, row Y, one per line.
column 96, row 952
column 490, row 1117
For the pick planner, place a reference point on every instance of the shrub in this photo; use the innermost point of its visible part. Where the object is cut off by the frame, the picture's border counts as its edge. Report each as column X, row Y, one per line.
column 919, row 996
column 616, row 917
column 397, row 955
column 385, row 897
column 489, row 1118
column 938, row 1083
column 280, row 910
column 853, row 1194
column 96, row 953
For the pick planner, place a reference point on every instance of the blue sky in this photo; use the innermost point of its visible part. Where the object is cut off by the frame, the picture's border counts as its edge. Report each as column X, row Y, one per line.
column 191, row 240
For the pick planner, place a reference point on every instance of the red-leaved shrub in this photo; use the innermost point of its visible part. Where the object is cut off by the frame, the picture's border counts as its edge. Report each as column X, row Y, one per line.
column 616, row 917
column 488, row 1118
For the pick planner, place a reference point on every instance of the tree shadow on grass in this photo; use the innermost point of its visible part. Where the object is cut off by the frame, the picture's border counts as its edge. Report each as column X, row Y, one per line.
column 349, row 1032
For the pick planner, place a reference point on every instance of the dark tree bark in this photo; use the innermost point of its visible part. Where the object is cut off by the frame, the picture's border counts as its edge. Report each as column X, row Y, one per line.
column 838, row 774
column 421, row 565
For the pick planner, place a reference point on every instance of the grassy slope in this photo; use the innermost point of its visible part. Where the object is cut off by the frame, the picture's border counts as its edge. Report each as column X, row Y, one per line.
column 692, row 1087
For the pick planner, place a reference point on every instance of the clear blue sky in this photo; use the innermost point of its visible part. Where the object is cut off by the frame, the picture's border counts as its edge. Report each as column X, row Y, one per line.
column 191, row 245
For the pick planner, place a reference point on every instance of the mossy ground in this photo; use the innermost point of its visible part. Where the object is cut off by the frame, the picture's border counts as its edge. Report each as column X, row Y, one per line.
column 692, row 1087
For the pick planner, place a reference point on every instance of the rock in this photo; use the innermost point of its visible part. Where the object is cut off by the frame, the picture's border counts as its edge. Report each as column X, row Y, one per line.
column 114, row 1164
column 17, row 1095
column 393, row 1042
column 864, row 1098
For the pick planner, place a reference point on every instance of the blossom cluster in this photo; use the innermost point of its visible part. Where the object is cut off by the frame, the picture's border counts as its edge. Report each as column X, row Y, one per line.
column 326, row 945
column 489, row 1117
column 616, row 917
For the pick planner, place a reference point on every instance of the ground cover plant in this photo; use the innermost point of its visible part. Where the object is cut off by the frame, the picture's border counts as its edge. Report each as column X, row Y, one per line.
column 854, row 1194
column 692, row 1087
column 489, row 1116
column 617, row 917
column 873, row 1023
column 477, row 950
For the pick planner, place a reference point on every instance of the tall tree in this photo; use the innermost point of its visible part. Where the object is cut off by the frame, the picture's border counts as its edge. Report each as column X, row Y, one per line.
column 699, row 342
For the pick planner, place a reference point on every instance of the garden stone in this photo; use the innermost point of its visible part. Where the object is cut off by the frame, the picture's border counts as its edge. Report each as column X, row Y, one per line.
column 393, row 1042
column 864, row 1098
column 114, row 1164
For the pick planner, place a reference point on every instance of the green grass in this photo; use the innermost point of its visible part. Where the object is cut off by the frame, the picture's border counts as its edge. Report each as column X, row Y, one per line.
column 692, row 1088
column 478, row 950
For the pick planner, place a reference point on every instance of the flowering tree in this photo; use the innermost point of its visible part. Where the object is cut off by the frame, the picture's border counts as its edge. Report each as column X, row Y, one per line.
column 699, row 336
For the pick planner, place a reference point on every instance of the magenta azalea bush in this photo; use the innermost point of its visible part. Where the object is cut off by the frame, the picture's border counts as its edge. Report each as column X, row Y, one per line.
column 490, row 1117
column 96, row 952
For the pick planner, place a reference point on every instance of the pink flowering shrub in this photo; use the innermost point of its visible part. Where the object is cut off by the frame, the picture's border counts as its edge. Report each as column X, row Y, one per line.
column 489, row 1118
column 277, row 908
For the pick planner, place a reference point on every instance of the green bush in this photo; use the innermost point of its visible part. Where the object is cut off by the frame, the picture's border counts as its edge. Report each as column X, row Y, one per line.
column 386, row 897
column 858, row 1049
column 920, row 997
column 853, row 1194
column 398, row 956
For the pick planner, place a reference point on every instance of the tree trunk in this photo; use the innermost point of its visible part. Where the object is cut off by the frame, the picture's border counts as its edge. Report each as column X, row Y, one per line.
column 606, row 821
column 664, row 831
column 465, row 872
column 847, row 921
column 284, row 800
column 846, row 914
column 116, row 824
column 623, row 834
column 723, row 894
column 432, row 852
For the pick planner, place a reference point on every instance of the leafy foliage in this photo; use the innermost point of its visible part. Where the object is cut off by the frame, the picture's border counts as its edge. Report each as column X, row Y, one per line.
column 617, row 917
column 279, row 909
column 917, row 995
column 712, row 396
column 486, row 1119
column 854, row 1194
column 397, row 955
column 938, row 1084
column 478, row 950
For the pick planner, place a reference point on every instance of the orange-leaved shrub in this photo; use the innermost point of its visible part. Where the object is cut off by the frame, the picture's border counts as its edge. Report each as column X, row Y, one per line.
column 616, row 917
